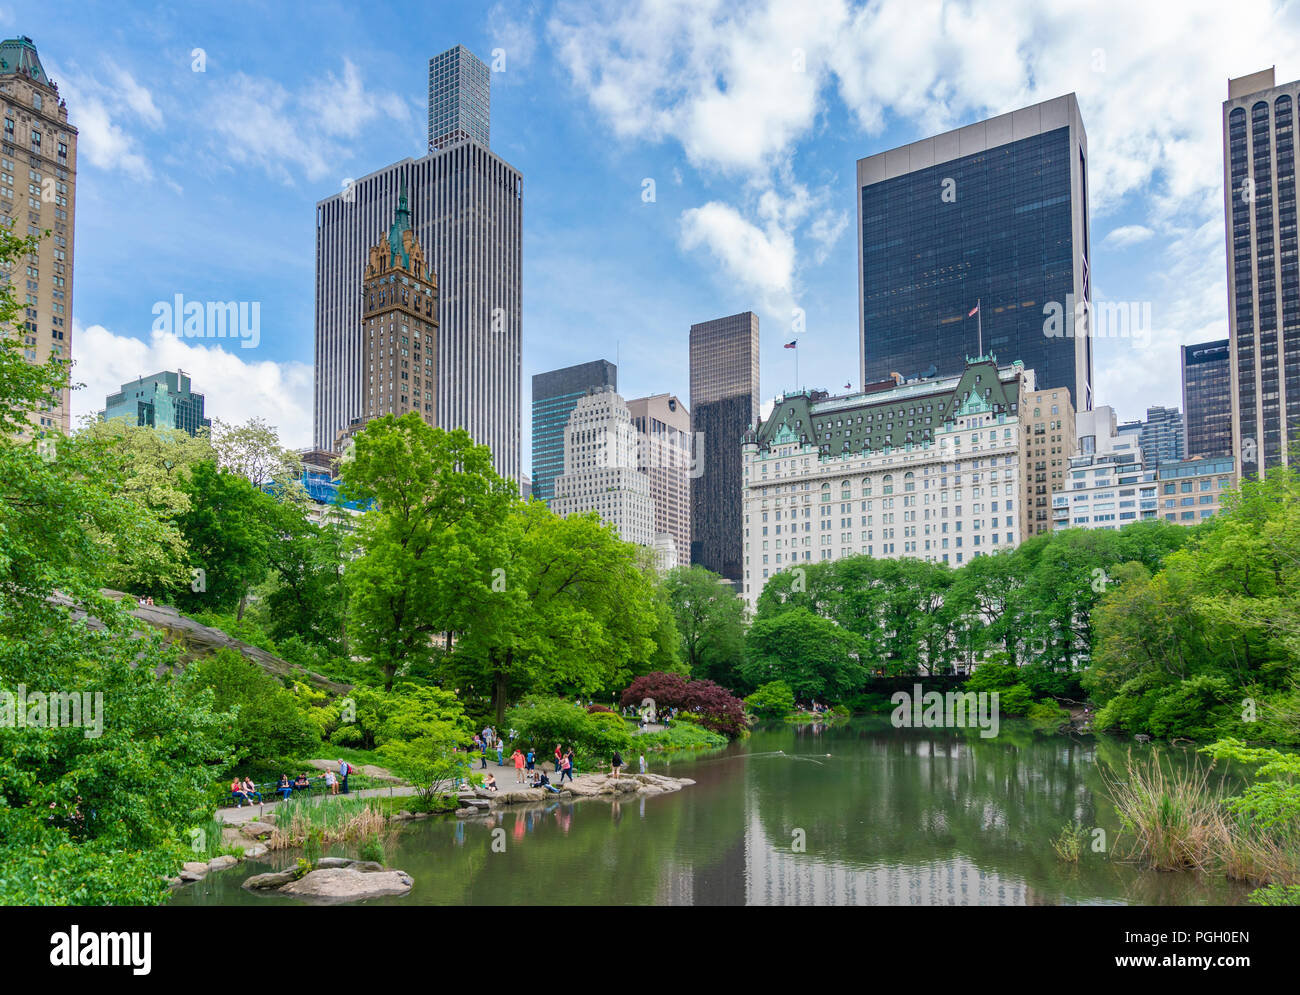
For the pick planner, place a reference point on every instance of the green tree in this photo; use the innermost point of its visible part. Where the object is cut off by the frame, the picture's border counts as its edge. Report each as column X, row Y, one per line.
column 711, row 620
column 815, row 657
column 429, row 543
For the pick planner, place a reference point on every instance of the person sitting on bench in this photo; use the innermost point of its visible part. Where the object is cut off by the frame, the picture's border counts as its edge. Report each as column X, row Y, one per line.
column 251, row 789
column 239, row 794
column 285, row 789
column 302, row 784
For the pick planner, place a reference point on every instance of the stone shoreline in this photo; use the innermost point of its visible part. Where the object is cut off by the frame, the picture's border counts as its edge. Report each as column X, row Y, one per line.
column 480, row 801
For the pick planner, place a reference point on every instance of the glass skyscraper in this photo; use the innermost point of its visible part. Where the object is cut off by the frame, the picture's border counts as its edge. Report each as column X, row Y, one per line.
column 1207, row 398
column 1263, row 269
column 163, row 400
column 460, row 99
column 555, row 395
column 994, row 213
column 724, row 404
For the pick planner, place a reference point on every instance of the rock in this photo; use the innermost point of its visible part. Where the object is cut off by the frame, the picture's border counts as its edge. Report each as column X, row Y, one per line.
column 190, row 876
column 328, row 862
column 174, row 882
column 198, row 867
column 1142, row 738
column 222, row 862
column 650, row 789
column 683, row 782
column 465, row 813
column 483, row 803
column 255, row 851
column 257, row 830
column 348, row 884
column 276, row 879
column 522, row 795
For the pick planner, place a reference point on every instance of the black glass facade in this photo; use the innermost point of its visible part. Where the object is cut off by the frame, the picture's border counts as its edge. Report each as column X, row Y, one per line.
column 1207, row 398
column 995, row 227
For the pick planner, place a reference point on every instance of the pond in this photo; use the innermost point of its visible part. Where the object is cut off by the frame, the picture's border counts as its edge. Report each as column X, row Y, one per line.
column 855, row 814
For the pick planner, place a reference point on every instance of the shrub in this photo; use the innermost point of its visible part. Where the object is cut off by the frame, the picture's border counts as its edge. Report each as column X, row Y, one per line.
column 717, row 708
column 772, row 699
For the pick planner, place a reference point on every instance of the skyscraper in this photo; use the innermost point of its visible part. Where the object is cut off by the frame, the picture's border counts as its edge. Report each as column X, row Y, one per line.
column 663, row 428
column 38, row 181
column 1207, row 398
column 994, row 214
column 1159, row 435
column 1259, row 195
column 466, row 208
column 400, row 312
column 555, row 395
column 724, row 403
column 600, row 471
column 162, row 400
column 460, row 99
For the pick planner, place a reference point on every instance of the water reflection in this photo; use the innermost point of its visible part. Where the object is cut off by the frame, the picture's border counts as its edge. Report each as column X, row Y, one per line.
column 889, row 817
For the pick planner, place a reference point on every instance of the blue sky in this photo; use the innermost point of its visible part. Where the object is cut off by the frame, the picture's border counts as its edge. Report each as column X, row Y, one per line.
column 748, row 117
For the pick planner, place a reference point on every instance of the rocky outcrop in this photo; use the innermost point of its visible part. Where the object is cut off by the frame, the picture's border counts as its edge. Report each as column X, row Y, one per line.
column 478, row 801
column 333, row 880
column 257, row 830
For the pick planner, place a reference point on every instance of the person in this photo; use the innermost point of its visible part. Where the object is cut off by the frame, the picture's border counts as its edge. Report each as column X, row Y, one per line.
column 545, row 782
column 483, row 755
column 642, row 763
column 518, row 758
column 251, row 789
column 302, row 784
column 285, row 789
column 490, row 783
column 344, row 770
column 573, row 762
column 558, row 755
column 500, row 750
column 566, row 768
column 331, row 782
column 615, row 763
column 530, row 758
column 237, row 790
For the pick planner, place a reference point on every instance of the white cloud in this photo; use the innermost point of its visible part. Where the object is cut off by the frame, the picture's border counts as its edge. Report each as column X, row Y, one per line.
column 513, row 29
column 261, row 123
column 1127, row 235
column 102, row 113
column 234, row 389
column 760, row 259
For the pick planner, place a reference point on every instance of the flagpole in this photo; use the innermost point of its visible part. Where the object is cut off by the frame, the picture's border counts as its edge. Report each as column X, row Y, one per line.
column 979, row 314
column 796, row 364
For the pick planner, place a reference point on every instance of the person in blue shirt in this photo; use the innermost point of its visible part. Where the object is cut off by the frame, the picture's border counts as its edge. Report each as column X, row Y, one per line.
column 529, row 758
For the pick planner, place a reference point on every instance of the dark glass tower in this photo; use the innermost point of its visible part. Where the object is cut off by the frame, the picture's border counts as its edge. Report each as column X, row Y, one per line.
column 555, row 395
column 724, row 404
column 1263, row 269
column 1207, row 398
column 994, row 213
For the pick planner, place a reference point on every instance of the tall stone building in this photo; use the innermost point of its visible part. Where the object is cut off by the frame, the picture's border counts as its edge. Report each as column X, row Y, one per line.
column 724, row 404
column 663, row 427
column 467, row 212
column 931, row 469
column 38, row 180
column 600, row 468
column 1259, row 191
column 400, row 312
column 555, row 394
column 1049, row 444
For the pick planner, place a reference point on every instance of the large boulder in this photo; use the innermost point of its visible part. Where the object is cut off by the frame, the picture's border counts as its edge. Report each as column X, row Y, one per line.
column 222, row 862
column 255, row 851
column 257, row 830
column 197, row 868
column 348, row 884
column 275, row 879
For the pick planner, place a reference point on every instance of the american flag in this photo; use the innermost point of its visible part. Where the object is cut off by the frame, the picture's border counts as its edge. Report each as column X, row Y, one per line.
column 791, row 345
column 974, row 311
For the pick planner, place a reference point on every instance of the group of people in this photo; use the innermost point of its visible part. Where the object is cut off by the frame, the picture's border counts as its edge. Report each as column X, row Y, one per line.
column 526, row 766
column 246, row 791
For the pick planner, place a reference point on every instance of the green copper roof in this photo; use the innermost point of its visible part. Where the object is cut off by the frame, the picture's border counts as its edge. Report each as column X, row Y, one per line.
column 18, row 55
column 912, row 413
column 402, row 223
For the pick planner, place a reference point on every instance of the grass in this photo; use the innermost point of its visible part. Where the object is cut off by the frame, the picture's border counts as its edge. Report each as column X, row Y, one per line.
column 206, row 841
column 1069, row 845
column 298, row 821
column 357, row 758
column 1177, row 818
